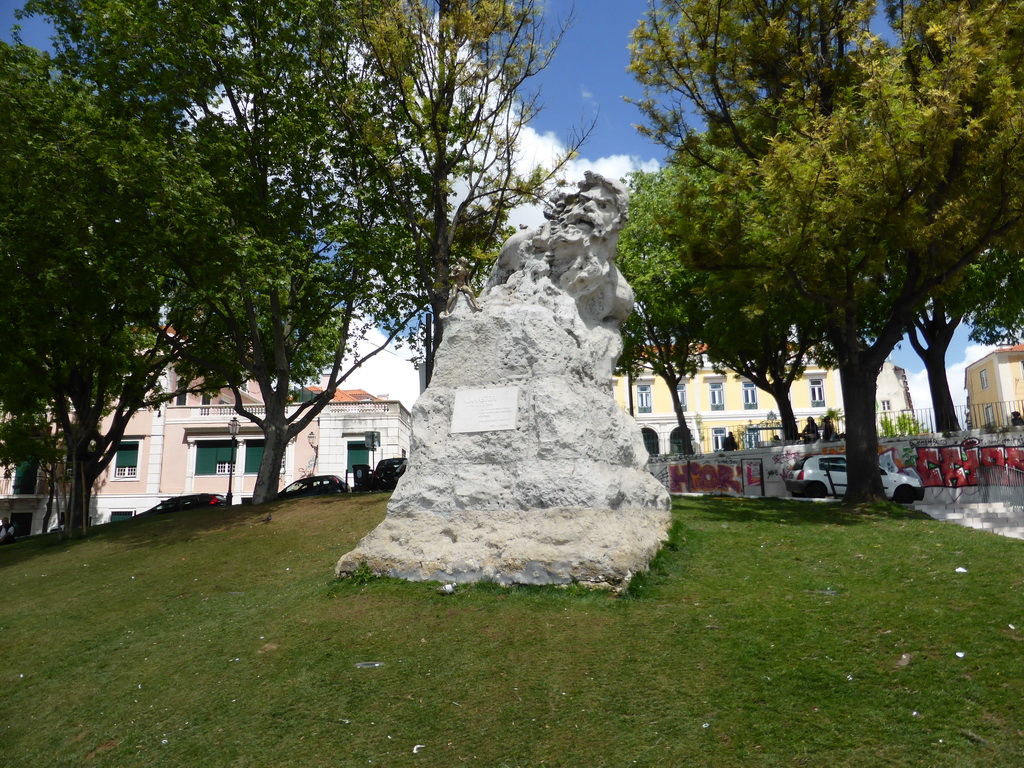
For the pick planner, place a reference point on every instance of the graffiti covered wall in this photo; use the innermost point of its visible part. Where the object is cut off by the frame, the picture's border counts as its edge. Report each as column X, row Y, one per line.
column 969, row 467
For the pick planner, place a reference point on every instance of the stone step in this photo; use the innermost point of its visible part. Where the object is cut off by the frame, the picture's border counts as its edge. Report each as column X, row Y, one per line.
column 1002, row 520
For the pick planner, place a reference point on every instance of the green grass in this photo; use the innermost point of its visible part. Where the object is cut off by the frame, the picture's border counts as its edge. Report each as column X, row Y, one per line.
column 769, row 633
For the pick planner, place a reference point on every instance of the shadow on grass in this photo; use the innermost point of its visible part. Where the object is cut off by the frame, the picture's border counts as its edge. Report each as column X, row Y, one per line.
column 150, row 531
column 789, row 512
column 169, row 529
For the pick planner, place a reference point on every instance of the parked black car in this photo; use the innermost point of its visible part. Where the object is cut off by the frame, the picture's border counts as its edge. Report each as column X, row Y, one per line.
column 317, row 485
column 386, row 475
column 189, row 501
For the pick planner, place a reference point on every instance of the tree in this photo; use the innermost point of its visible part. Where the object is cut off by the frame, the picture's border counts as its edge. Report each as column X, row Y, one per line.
column 763, row 333
column 863, row 173
column 664, row 331
column 76, row 241
column 449, row 77
column 28, row 436
column 285, row 248
column 990, row 298
column 930, row 334
column 997, row 298
column 753, row 336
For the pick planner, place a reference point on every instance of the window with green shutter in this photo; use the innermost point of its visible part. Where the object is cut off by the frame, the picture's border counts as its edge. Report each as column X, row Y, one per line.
column 253, row 456
column 213, row 457
column 25, row 477
column 126, row 462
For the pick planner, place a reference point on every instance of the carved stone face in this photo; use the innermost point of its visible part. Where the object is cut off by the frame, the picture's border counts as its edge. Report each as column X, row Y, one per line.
column 594, row 213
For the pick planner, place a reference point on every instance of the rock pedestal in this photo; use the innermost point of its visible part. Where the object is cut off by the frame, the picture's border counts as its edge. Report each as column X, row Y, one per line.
column 523, row 468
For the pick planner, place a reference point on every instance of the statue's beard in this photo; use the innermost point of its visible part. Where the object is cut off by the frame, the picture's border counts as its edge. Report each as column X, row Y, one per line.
column 568, row 233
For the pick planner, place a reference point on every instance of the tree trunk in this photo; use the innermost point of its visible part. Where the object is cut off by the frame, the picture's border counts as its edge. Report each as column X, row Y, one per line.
column 937, row 332
column 942, row 400
column 434, row 339
column 85, row 471
column 673, row 389
column 780, row 391
column 275, row 442
column 860, row 383
column 51, row 482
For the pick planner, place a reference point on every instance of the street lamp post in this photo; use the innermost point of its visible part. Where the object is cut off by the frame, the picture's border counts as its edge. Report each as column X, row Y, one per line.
column 233, row 427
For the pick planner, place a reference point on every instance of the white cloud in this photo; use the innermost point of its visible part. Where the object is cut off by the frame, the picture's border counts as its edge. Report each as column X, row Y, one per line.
column 918, row 380
column 920, row 394
column 544, row 148
column 955, row 372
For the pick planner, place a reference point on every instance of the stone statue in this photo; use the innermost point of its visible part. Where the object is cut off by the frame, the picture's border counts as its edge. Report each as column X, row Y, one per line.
column 523, row 468
column 460, row 287
column 573, row 254
column 575, row 250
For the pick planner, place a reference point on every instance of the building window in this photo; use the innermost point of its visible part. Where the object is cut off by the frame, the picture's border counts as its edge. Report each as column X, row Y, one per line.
column 675, row 441
column 749, row 395
column 25, row 478
column 983, row 376
column 126, row 461
column 886, row 405
column 990, row 416
column 643, row 398
column 817, row 392
column 253, row 456
column 213, row 457
column 181, row 399
column 650, row 441
column 717, row 393
column 681, row 392
column 717, row 438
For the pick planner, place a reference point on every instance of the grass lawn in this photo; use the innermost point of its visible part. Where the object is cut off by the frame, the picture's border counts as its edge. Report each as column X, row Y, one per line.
column 771, row 633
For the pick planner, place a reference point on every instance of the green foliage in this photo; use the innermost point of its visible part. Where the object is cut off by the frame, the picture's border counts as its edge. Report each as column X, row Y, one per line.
column 901, row 424
column 798, row 633
column 865, row 174
column 79, row 243
column 995, row 298
column 286, row 247
column 664, row 333
column 445, row 108
column 362, row 575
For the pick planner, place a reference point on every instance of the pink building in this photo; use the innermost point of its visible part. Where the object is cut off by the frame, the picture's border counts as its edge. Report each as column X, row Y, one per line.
column 186, row 447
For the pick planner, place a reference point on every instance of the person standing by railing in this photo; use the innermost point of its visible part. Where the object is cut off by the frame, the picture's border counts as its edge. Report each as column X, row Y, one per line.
column 828, row 432
column 810, row 432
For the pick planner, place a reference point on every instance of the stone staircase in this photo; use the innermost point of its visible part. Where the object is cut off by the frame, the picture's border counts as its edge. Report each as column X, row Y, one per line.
column 996, row 517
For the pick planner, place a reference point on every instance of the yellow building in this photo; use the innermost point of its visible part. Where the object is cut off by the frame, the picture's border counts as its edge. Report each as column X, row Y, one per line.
column 995, row 387
column 716, row 404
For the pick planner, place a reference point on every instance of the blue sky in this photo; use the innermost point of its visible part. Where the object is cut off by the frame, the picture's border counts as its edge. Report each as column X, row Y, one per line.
column 587, row 80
